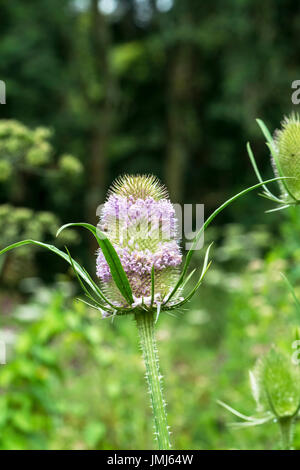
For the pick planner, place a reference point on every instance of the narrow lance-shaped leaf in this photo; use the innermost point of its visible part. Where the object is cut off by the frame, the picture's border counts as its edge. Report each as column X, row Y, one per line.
column 207, row 223
column 205, row 268
column 187, row 279
column 88, row 294
column 55, row 250
column 257, row 172
column 80, row 270
column 103, row 297
column 248, row 420
column 111, row 256
column 266, row 132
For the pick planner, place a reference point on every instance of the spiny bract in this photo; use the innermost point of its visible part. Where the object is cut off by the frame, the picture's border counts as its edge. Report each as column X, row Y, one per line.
column 140, row 222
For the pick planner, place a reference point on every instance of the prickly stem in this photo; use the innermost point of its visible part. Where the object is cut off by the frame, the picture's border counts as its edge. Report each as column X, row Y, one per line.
column 286, row 428
column 145, row 323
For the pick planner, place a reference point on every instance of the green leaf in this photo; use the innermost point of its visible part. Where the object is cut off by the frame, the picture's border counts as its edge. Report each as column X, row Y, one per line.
column 79, row 269
column 280, row 208
column 257, row 172
column 111, row 256
column 205, row 268
column 266, row 132
column 247, row 420
column 235, row 412
column 206, row 224
column 103, row 297
column 187, row 279
column 55, row 250
column 88, row 294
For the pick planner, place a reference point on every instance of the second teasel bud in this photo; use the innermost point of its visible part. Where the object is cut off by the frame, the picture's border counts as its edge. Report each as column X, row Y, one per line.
column 287, row 148
column 276, row 384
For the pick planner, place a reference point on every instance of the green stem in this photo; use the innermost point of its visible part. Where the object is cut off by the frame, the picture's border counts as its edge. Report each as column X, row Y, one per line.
column 145, row 324
column 286, row 428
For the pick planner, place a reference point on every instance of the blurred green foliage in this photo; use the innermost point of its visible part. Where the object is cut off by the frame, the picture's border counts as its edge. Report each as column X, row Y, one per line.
column 75, row 381
column 26, row 153
column 171, row 91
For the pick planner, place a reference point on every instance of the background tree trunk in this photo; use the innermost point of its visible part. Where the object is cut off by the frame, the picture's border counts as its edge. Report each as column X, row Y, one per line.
column 178, row 116
column 103, row 110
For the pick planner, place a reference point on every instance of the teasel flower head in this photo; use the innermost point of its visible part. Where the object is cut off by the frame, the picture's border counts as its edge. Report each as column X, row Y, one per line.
column 140, row 222
column 284, row 148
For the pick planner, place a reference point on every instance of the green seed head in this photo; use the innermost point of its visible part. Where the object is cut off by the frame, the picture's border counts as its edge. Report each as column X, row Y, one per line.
column 276, row 384
column 287, row 141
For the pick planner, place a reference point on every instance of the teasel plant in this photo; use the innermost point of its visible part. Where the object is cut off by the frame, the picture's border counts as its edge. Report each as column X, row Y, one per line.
column 138, row 266
column 284, row 148
column 275, row 386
